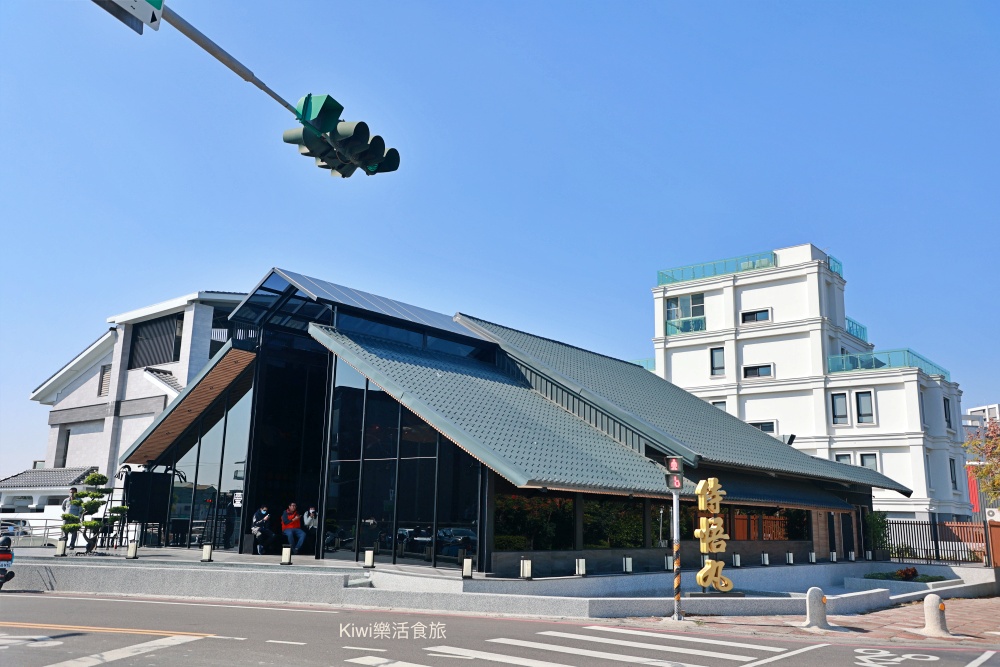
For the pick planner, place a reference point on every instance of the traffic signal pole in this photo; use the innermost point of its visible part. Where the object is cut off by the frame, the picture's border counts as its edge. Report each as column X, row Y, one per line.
column 675, row 521
column 220, row 54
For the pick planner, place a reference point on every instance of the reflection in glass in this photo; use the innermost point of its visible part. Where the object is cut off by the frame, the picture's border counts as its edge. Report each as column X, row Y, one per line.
column 415, row 523
column 341, row 508
column 231, row 492
column 417, row 438
column 458, row 506
column 348, row 406
column 527, row 520
column 610, row 523
column 378, row 496
column 381, row 424
column 185, row 471
column 209, row 466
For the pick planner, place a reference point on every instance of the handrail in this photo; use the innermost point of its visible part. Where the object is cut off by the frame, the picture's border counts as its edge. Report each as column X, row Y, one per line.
column 752, row 262
column 880, row 359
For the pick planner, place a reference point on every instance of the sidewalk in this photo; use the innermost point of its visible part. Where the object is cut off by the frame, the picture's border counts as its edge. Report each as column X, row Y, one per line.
column 973, row 619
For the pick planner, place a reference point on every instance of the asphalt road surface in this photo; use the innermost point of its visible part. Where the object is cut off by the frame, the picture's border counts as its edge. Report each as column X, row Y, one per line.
column 53, row 630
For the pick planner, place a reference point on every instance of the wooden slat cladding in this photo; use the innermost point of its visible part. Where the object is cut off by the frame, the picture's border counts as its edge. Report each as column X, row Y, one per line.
column 191, row 405
column 573, row 403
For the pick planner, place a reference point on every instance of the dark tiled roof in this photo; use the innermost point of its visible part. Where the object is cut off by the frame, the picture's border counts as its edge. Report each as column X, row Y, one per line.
column 46, row 477
column 668, row 410
column 497, row 418
column 166, row 377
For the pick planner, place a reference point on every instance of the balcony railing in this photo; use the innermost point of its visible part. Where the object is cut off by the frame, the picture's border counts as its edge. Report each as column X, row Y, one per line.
column 760, row 260
column 648, row 364
column 835, row 265
column 857, row 329
column 869, row 361
column 685, row 325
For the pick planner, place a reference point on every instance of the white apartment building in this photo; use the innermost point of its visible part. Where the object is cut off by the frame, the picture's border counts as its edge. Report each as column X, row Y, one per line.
column 766, row 338
column 107, row 395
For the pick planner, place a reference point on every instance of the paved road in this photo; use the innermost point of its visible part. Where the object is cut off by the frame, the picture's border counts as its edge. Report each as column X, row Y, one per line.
column 49, row 630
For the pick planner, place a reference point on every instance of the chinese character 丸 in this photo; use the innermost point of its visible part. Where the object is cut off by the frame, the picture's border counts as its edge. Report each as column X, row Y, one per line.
column 712, row 535
column 709, row 493
column 711, row 575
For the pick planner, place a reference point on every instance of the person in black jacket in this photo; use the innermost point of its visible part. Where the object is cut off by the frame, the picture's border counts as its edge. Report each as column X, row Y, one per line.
column 261, row 529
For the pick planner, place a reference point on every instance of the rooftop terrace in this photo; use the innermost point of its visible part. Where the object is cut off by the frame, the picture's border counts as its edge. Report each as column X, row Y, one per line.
column 752, row 262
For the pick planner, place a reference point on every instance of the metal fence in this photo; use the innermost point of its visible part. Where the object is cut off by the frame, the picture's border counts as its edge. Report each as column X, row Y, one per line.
column 931, row 541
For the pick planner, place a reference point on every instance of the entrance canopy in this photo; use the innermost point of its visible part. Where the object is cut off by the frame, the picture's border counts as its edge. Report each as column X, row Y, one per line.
column 227, row 365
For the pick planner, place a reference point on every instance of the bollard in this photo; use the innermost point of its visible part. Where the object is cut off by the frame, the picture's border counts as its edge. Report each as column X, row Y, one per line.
column 286, row 555
column 581, row 567
column 369, row 559
column 833, row 556
column 668, row 563
column 526, row 568
column 789, row 558
column 934, row 621
column 627, row 564
column 467, row 568
column 61, row 547
column 850, row 556
column 765, row 560
column 816, row 610
column 868, row 555
column 206, row 553
column 133, row 551
column 812, row 557
column 737, row 561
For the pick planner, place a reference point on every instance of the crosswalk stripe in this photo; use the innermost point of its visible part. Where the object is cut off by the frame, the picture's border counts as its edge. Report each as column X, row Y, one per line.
column 648, row 646
column 376, row 661
column 683, row 638
column 126, row 652
column 493, row 657
column 634, row 659
column 774, row 658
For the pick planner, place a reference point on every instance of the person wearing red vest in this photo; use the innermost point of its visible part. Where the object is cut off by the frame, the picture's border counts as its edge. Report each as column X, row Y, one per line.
column 291, row 526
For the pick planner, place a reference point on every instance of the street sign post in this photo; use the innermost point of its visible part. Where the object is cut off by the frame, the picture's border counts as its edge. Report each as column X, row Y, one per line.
column 147, row 11
column 675, row 482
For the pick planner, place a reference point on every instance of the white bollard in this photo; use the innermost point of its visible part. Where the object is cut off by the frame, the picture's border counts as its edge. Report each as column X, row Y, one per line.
column 526, row 568
column 737, row 560
column 934, row 621
column 206, row 553
column 581, row 567
column 816, row 610
column 286, row 555
column 812, row 557
column 668, row 563
column 765, row 559
column 369, row 559
column 467, row 568
column 789, row 558
column 627, row 564
column 133, row 551
column 833, row 556
column 61, row 547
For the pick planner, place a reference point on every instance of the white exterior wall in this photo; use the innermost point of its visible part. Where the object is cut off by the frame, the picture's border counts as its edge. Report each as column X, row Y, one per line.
column 87, row 443
column 807, row 324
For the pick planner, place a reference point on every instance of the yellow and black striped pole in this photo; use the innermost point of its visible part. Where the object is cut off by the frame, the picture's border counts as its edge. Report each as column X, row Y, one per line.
column 675, row 521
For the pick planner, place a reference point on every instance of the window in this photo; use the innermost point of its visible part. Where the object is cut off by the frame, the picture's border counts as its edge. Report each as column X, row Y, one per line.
column 104, row 384
column 766, row 427
column 689, row 305
column 156, row 341
column 954, row 473
column 866, row 411
column 762, row 371
column 718, row 355
column 920, row 402
column 927, row 470
column 752, row 316
column 719, row 404
column 947, row 412
column 869, row 461
column 844, row 458
column 838, row 405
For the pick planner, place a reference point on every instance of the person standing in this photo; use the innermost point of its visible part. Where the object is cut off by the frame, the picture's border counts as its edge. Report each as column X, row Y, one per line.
column 261, row 529
column 69, row 508
column 291, row 526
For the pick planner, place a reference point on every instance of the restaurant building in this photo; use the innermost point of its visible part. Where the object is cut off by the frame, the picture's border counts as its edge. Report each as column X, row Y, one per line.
column 427, row 439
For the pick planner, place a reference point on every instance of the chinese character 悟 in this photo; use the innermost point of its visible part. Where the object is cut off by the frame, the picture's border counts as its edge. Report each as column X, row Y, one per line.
column 712, row 535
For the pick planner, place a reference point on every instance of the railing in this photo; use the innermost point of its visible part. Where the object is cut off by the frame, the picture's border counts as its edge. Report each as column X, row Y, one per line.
column 648, row 364
column 857, row 329
column 685, row 325
column 927, row 541
column 760, row 260
column 867, row 361
column 835, row 265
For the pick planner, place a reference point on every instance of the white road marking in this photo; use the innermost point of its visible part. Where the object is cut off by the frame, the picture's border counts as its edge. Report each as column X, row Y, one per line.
column 495, row 657
column 784, row 655
column 647, row 646
column 239, row 639
column 362, row 648
column 984, row 657
column 127, row 652
column 185, row 604
column 279, row 641
column 682, row 638
column 638, row 660
column 382, row 662
column 26, row 640
column 457, row 657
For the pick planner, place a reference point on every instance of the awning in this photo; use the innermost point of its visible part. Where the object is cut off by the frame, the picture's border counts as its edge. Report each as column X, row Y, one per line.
column 765, row 491
column 227, row 365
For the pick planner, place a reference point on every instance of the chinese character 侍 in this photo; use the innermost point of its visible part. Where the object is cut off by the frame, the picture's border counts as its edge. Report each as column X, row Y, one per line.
column 710, row 494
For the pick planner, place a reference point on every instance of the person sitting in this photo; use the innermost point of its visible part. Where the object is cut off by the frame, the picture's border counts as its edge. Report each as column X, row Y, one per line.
column 291, row 526
column 260, row 526
column 310, row 520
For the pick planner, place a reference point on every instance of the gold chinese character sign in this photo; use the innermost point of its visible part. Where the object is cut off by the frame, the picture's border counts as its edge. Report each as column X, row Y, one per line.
column 711, row 534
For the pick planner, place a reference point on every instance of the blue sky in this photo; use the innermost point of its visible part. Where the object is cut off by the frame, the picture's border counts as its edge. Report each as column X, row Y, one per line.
column 554, row 156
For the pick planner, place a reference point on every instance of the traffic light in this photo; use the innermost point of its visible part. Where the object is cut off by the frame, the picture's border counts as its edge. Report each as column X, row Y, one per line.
column 342, row 147
column 675, row 472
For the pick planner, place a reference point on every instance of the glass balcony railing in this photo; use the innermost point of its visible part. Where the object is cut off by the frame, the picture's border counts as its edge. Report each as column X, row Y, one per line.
column 685, row 325
column 648, row 364
column 857, row 329
column 869, row 361
column 760, row 260
column 835, row 265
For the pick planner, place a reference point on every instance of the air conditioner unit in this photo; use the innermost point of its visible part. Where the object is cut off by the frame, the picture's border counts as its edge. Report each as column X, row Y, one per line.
column 992, row 514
